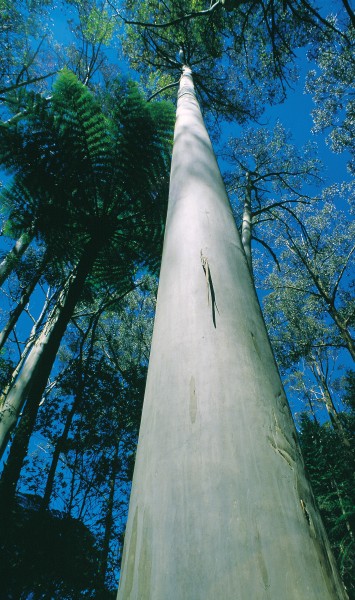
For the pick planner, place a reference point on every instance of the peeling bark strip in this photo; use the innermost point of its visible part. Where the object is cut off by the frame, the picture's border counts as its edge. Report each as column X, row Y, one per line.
column 210, row 288
column 216, row 511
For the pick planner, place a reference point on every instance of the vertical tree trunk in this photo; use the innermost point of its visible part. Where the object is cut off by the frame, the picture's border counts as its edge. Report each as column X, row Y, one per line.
column 115, row 467
column 8, row 264
column 56, row 455
column 29, row 345
column 328, row 401
column 19, row 447
column 247, row 224
column 40, row 360
column 343, row 329
column 93, row 323
column 220, row 506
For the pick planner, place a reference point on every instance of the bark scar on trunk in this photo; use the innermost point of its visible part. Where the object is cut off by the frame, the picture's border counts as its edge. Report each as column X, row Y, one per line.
column 210, row 289
column 308, row 518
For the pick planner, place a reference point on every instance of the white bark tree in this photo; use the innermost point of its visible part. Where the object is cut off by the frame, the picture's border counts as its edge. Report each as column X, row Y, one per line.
column 220, row 505
column 10, row 261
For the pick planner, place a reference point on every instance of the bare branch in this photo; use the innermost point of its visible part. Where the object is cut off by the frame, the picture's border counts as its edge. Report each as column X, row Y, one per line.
column 187, row 17
column 166, row 87
column 268, row 249
column 15, row 86
column 342, row 273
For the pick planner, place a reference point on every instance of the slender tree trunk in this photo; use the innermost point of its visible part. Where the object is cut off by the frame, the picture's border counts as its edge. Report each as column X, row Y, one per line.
column 247, row 225
column 56, row 455
column 93, row 323
column 11, row 259
column 220, row 505
column 19, row 447
column 29, row 345
column 344, row 331
column 40, row 360
column 115, row 467
column 349, row 11
column 17, row 311
column 329, row 404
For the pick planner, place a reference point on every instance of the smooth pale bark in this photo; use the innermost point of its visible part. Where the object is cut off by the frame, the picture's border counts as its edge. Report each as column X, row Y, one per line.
column 40, row 360
column 247, row 225
column 19, row 447
column 17, row 311
column 29, row 345
column 328, row 401
column 8, row 264
column 220, row 505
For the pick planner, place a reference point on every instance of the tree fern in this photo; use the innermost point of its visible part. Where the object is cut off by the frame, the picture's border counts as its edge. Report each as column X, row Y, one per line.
column 86, row 168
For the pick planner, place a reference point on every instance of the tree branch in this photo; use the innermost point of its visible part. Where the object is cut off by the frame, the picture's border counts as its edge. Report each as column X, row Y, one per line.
column 188, row 16
column 341, row 274
column 268, row 249
column 15, row 86
column 166, row 87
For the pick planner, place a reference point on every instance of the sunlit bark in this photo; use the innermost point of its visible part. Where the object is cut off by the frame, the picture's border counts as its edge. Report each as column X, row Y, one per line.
column 247, row 224
column 220, row 506
column 17, row 311
column 8, row 264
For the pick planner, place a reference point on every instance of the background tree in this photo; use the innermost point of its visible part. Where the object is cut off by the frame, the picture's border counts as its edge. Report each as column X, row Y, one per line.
column 317, row 256
column 331, row 470
column 90, row 482
column 104, row 155
column 330, row 85
column 269, row 176
column 254, row 43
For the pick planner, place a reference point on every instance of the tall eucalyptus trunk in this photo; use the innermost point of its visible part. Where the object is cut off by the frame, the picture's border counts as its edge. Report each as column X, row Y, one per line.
column 39, row 361
column 220, row 505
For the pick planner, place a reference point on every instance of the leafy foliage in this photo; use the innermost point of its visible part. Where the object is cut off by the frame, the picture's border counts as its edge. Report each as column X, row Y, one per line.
column 315, row 282
column 83, row 172
column 272, row 175
column 92, row 415
column 331, row 471
column 55, row 553
column 331, row 87
column 241, row 58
